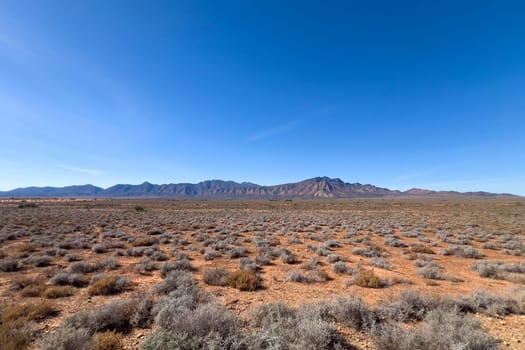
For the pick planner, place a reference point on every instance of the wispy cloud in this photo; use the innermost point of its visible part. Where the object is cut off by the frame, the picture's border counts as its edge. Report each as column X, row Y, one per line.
column 280, row 129
column 83, row 170
column 12, row 44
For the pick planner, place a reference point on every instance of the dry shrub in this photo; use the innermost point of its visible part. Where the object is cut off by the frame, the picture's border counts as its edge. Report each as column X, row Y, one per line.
column 442, row 329
column 367, row 279
column 310, row 327
column 69, row 278
column 28, row 312
column 26, row 247
column 420, row 248
column 33, row 291
column 244, row 280
column 13, row 339
column 182, row 264
column 14, row 334
column 295, row 276
column 353, row 312
column 58, row 292
column 409, row 306
column 143, row 317
column 113, row 316
column 82, row 267
column 318, row 275
column 108, row 285
column 341, row 267
column 370, row 252
column 22, row 281
column 392, row 281
column 66, row 338
column 8, row 265
column 108, row 340
column 143, row 241
column 215, row 277
column 38, row 260
column 463, row 251
column 29, row 286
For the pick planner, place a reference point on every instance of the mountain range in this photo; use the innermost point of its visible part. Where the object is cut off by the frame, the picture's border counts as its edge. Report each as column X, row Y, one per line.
column 318, row 187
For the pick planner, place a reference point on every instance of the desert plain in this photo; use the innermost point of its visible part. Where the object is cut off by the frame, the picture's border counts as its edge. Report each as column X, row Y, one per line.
column 262, row 274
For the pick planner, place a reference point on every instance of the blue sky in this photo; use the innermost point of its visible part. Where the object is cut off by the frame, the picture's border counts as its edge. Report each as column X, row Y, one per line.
column 399, row 94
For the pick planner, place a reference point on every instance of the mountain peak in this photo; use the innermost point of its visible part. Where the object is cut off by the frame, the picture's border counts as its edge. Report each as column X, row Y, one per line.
column 324, row 179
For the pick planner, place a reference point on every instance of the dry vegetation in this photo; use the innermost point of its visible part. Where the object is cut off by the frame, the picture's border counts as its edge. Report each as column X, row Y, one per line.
column 162, row 274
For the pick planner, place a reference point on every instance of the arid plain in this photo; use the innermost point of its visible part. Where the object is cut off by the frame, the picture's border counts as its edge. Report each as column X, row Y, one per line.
column 262, row 274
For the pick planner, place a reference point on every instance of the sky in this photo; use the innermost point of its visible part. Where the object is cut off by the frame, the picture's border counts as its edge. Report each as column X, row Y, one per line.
column 398, row 94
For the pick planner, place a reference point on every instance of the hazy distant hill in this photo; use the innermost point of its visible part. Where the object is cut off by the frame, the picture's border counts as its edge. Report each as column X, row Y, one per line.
column 69, row 191
column 318, row 187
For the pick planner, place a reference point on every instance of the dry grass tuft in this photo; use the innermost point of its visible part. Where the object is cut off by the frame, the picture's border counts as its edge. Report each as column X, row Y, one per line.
column 108, row 340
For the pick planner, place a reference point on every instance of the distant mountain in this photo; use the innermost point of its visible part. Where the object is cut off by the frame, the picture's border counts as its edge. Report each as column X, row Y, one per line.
column 69, row 191
column 318, row 187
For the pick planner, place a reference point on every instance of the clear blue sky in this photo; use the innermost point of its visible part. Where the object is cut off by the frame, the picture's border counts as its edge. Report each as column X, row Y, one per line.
column 395, row 93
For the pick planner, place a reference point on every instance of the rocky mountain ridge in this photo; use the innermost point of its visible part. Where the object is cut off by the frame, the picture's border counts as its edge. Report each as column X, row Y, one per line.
column 318, row 187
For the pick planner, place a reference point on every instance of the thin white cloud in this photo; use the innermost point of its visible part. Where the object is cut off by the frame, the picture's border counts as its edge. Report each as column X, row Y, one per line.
column 272, row 132
column 83, row 170
column 10, row 43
